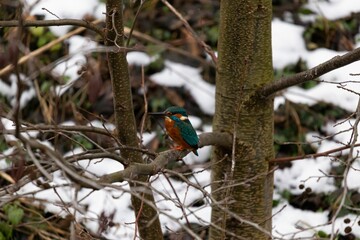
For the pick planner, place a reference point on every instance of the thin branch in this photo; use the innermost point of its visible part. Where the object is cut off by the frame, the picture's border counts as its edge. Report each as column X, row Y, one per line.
column 38, row 164
column 18, row 46
column 63, row 128
column 58, row 22
column 328, row 66
column 142, row 125
column 350, row 160
column 314, row 155
column 134, row 22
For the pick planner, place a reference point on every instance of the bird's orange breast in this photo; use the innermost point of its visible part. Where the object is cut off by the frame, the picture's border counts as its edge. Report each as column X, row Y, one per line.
column 174, row 132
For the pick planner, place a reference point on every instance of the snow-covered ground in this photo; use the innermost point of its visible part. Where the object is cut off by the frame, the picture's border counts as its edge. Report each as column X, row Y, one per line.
column 287, row 48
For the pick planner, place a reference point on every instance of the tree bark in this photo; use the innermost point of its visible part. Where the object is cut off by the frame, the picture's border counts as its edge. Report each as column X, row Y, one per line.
column 147, row 219
column 244, row 65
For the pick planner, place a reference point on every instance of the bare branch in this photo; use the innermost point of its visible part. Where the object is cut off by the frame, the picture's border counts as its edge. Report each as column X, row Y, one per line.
column 160, row 162
column 135, row 170
column 328, row 66
column 58, row 22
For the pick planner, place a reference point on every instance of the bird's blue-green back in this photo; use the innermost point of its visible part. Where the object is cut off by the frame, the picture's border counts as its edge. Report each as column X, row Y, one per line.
column 187, row 131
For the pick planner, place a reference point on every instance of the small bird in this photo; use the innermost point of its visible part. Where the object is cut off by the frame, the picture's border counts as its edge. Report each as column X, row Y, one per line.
column 179, row 128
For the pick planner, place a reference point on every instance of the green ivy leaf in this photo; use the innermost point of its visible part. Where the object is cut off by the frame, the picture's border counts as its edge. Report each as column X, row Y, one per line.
column 37, row 31
column 14, row 213
column 5, row 230
column 322, row 234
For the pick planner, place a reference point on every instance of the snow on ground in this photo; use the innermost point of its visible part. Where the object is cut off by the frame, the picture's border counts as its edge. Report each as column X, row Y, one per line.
column 287, row 48
column 287, row 220
column 178, row 75
column 69, row 68
column 300, row 173
column 333, row 9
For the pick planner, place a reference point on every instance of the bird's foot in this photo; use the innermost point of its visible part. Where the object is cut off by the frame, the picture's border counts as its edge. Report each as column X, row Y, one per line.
column 180, row 148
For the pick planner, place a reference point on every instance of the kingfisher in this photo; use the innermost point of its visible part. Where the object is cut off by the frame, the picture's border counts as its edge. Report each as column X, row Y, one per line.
column 179, row 128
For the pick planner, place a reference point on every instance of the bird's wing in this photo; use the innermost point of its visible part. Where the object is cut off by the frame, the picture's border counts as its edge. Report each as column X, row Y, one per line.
column 188, row 133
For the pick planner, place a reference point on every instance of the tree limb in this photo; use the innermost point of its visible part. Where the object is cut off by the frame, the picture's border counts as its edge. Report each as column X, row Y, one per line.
column 160, row 162
column 325, row 67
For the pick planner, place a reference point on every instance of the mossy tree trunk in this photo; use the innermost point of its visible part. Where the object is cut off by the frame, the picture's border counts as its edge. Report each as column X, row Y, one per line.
column 147, row 219
column 241, row 181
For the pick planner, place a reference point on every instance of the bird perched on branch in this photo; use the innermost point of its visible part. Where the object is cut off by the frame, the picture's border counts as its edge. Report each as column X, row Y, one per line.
column 179, row 128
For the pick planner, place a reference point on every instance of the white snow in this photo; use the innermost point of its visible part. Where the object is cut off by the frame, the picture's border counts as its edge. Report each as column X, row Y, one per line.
column 54, row 9
column 69, row 68
column 287, row 43
column 178, row 75
column 139, row 58
column 333, row 9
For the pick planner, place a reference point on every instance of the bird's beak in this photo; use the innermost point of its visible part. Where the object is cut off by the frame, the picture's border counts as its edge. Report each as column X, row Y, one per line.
column 157, row 114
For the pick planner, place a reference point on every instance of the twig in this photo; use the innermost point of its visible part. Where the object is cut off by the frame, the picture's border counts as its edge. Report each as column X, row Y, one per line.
column 178, row 199
column 37, row 164
column 18, row 44
column 139, row 215
column 314, row 155
column 133, row 24
column 45, row 9
column 143, row 119
column 349, row 162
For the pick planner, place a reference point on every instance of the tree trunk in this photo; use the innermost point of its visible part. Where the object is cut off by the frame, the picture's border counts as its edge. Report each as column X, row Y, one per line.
column 147, row 219
column 241, row 181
